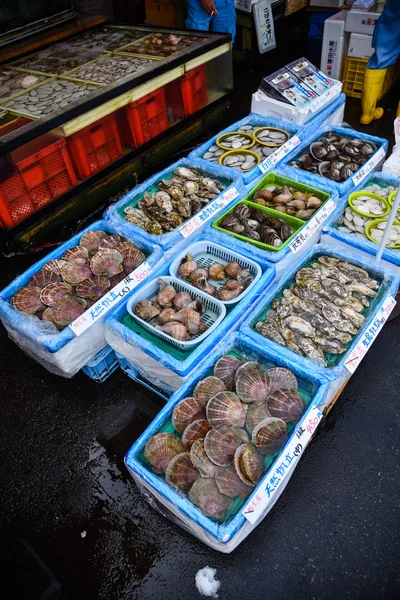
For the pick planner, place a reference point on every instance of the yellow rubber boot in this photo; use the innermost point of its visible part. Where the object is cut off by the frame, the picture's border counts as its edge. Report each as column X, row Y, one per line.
column 373, row 82
column 398, row 110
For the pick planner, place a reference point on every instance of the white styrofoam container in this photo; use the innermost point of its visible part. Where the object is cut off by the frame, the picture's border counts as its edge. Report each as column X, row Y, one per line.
column 391, row 166
column 397, row 129
column 361, row 21
column 327, row 3
column 360, row 45
column 334, row 45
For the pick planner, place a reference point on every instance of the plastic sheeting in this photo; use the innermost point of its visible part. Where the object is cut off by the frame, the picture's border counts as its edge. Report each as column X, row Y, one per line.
column 158, row 366
column 174, row 241
column 61, row 352
column 225, row 537
column 389, row 255
column 259, row 121
column 285, row 258
column 373, row 164
column 389, row 285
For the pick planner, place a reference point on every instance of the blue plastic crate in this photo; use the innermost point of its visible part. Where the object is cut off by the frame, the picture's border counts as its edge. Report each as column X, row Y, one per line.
column 130, row 370
column 221, row 536
column 389, row 285
column 102, row 365
column 373, row 164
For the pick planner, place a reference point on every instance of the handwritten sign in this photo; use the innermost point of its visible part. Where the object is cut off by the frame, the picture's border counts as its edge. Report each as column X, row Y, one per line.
column 323, row 99
column 368, row 338
column 111, row 299
column 207, row 212
column 368, row 166
column 283, row 467
column 268, row 163
column 312, row 226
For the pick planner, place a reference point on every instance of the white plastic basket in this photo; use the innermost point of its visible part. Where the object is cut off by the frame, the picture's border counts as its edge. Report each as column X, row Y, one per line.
column 212, row 316
column 207, row 253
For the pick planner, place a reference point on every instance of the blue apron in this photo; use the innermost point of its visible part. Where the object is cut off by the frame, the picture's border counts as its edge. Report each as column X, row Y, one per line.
column 224, row 22
column 386, row 38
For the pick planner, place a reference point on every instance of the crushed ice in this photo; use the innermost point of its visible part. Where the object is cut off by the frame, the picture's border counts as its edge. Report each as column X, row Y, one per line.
column 206, row 582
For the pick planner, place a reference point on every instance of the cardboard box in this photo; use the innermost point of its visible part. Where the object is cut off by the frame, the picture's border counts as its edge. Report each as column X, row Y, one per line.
column 327, row 3
column 362, row 21
column 334, row 45
column 360, row 45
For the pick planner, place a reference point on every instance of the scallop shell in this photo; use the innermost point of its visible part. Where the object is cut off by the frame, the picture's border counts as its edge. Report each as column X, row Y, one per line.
column 93, row 287
column 180, row 473
column 161, row 448
column 207, row 388
column 27, row 299
column 249, row 464
column 78, row 254
column 44, row 277
column 256, row 414
column 287, row 405
column 269, row 435
column 195, row 431
column 106, row 262
column 247, row 366
column 125, row 245
column 185, row 412
column 132, row 258
column 243, row 433
column 74, row 273
column 253, row 386
column 91, row 240
column 201, row 461
column 226, row 368
column 229, row 483
column 221, row 444
column 111, row 241
column 48, row 315
column 67, row 310
column 54, row 292
column 55, row 266
column 282, row 378
column 116, row 279
column 225, row 408
column 206, row 496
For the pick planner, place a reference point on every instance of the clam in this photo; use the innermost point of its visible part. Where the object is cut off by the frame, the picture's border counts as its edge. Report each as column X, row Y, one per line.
column 161, row 448
column 249, row 464
column 180, row 473
column 253, row 386
column 221, row 444
column 195, row 431
column 28, row 299
column 186, row 412
column 286, row 404
column 206, row 495
column 226, row 368
column 269, row 435
column 225, row 408
column 201, row 461
column 207, row 388
column 229, row 483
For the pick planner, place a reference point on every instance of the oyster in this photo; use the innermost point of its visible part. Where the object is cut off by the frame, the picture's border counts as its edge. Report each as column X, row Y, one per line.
column 269, row 435
column 285, row 404
column 186, row 412
column 220, row 445
column 161, row 448
column 249, row 464
column 269, row 331
column 180, row 473
column 225, row 408
column 206, row 495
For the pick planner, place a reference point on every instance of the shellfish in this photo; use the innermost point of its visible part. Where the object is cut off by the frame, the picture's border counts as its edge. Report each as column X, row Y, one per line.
column 269, row 435
column 180, row 473
column 249, row 464
column 285, row 404
column 207, row 388
column 225, row 408
column 221, row 444
column 161, row 448
column 206, row 495
column 226, row 368
column 186, row 412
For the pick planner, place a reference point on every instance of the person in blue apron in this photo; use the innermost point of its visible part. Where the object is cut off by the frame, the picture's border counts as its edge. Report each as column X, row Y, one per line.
column 386, row 42
column 214, row 15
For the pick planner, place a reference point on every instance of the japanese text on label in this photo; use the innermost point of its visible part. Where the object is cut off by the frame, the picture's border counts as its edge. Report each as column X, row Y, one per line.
column 368, row 166
column 269, row 162
column 312, row 226
column 209, row 211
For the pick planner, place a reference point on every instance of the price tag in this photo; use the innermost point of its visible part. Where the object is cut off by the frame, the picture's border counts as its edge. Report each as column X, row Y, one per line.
column 244, row 5
column 323, row 99
column 368, row 166
column 111, row 299
column 283, row 467
column 211, row 209
column 312, row 226
column 362, row 347
column 269, row 162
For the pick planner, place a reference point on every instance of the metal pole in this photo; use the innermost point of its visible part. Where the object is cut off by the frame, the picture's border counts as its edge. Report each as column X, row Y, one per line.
column 391, row 218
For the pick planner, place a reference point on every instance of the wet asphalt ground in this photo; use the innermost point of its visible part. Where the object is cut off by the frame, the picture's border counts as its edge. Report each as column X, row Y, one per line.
column 65, row 491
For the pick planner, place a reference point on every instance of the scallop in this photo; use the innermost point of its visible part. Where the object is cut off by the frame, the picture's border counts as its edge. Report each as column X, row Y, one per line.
column 106, row 262
column 67, row 310
column 28, row 299
column 132, row 258
column 91, row 240
column 253, row 386
column 44, row 277
column 256, row 414
column 225, row 408
column 229, row 483
column 195, row 431
column 111, row 241
column 249, row 464
column 270, row 435
column 201, row 461
column 54, row 292
column 180, row 473
column 77, row 254
column 207, row 388
column 287, row 405
column 281, row 377
column 206, row 496
column 185, row 412
column 93, row 287
column 221, row 444
column 74, row 272
column 161, row 448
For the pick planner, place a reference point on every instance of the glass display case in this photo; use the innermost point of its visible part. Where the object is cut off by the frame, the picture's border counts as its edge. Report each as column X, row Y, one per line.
column 90, row 102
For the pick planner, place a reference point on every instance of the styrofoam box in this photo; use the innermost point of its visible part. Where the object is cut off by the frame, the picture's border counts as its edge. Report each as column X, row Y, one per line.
column 392, row 166
column 269, row 107
column 360, row 45
column 334, row 45
column 397, row 129
column 327, row 3
column 361, row 21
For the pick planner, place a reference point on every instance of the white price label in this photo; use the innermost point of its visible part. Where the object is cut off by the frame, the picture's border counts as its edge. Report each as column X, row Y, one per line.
column 269, row 162
column 323, row 99
column 210, row 210
column 369, row 336
column 368, row 166
column 312, row 226
column 111, row 299
column 283, row 467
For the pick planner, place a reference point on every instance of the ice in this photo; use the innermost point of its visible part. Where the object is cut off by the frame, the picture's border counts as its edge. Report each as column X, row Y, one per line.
column 206, row 583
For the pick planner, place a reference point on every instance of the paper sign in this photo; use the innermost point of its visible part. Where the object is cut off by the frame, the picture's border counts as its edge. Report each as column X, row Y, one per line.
column 368, row 166
column 210, row 210
column 111, row 299
column 271, row 160
column 244, row 5
column 312, row 226
column 323, row 99
column 282, row 468
column 265, row 29
column 362, row 347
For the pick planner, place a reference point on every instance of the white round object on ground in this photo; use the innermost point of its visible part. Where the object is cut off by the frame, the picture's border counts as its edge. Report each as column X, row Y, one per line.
column 206, row 582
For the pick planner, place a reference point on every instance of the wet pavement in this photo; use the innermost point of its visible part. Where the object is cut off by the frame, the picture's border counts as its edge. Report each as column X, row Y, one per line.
column 65, row 490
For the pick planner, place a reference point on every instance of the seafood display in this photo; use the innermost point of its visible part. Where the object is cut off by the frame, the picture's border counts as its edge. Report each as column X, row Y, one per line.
column 335, row 157
column 323, row 309
column 288, row 200
column 241, row 161
column 64, row 288
column 163, row 44
column 228, row 280
column 226, row 434
column 250, row 222
column 56, row 60
column 108, row 69
column 177, row 314
column 48, row 98
column 106, row 38
column 12, row 82
column 174, row 201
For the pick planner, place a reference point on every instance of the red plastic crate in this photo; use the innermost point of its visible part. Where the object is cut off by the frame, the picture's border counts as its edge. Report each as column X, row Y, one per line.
column 95, row 146
column 37, row 180
column 188, row 94
column 146, row 117
column 13, row 125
